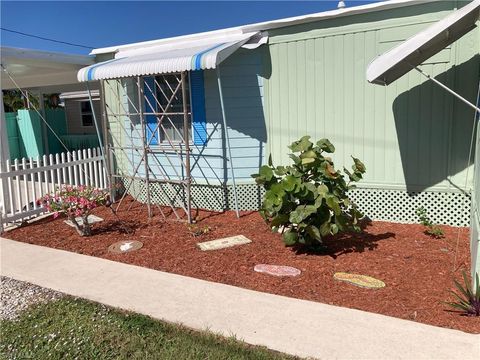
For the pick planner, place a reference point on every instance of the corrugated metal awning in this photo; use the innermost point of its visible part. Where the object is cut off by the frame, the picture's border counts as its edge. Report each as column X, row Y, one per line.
column 411, row 53
column 168, row 58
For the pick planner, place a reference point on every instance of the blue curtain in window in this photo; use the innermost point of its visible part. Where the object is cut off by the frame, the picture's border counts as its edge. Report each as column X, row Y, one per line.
column 150, row 120
column 199, row 118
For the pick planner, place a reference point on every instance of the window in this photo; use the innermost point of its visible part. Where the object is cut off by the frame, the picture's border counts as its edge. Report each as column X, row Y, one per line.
column 168, row 99
column 86, row 113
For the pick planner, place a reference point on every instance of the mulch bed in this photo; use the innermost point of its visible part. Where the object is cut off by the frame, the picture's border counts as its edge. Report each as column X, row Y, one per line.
column 417, row 269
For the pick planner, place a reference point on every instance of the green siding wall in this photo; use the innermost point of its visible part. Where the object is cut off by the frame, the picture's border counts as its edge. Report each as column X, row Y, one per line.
column 411, row 134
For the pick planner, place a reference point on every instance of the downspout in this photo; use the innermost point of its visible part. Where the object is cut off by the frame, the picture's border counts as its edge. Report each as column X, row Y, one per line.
column 227, row 140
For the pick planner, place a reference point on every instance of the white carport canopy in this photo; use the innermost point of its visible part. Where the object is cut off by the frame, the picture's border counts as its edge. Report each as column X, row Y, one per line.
column 401, row 59
column 40, row 69
column 174, row 56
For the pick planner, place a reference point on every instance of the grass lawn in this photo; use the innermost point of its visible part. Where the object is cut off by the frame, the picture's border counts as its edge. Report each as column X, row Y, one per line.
column 76, row 329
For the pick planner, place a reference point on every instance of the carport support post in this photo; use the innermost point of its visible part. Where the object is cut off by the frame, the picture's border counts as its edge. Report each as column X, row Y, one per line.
column 41, row 103
column 146, row 148
column 95, row 121
column 108, row 162
column 227, row 140
column 4, row 156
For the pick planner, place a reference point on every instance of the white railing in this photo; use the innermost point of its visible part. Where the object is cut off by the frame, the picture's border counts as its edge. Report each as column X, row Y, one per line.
column 26, row 180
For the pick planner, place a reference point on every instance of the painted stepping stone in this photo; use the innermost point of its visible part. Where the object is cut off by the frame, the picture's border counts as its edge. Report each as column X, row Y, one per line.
column 359, row 280
column 277, row 270
column 92, row 219
column 122, row 247
column 223, row 243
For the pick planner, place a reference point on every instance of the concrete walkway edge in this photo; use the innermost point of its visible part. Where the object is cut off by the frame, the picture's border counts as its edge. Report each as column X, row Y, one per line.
column 293, row 326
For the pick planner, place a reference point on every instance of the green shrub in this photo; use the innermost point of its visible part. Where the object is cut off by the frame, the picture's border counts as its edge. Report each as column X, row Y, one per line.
column 431, row 228
column 308, row 199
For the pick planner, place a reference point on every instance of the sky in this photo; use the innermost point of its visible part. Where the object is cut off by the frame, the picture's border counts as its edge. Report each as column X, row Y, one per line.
column 105, row 23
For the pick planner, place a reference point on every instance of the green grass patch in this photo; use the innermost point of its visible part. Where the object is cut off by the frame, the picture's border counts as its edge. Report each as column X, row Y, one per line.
column 77, row 329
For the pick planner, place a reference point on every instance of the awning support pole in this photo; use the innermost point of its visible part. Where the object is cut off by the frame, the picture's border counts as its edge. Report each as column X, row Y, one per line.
column 4, row 156
column 186, row 140
column 146, row 149
column 447, row 89
column 227, row 140
column 100, row 142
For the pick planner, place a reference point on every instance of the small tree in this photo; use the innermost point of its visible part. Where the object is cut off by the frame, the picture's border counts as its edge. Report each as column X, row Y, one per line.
column 76, row 202
column 308, row 199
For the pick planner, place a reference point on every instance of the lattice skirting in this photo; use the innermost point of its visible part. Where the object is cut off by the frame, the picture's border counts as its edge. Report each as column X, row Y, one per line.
column 449, row 208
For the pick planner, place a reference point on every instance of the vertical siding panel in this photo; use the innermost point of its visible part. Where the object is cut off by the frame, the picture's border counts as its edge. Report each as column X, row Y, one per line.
column 349, row 99
column 369, row 120
column 292, row 120
column 310, row 96
column 319, row 87
column 329, row 124
column 303, row 123
column 359, row 95
column 282, row 131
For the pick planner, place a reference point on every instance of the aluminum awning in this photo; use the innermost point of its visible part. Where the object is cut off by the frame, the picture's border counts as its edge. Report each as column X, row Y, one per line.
column 401, row 59
column 170, row 57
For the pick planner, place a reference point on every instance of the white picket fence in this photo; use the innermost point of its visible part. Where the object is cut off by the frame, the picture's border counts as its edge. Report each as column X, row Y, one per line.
column 26, row 180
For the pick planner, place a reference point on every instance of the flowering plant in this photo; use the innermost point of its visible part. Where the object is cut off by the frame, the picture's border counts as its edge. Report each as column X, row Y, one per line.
column 76, row 201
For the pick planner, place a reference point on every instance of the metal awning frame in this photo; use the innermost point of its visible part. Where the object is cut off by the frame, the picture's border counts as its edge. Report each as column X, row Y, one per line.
column 180, row 150
column 446, row 88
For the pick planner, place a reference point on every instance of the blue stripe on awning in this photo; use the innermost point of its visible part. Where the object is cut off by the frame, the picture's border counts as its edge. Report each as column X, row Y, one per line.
column 91, row 68
column 197, row 63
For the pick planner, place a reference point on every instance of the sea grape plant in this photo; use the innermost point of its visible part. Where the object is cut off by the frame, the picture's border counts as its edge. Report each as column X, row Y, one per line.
column 308, row 200
column 76, row 201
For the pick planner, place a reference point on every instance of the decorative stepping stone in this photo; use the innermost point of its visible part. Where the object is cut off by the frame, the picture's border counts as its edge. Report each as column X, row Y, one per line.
column 359, row 280
column 223, row 243
column 92, row 219
column 122, row 247
column 277, row 270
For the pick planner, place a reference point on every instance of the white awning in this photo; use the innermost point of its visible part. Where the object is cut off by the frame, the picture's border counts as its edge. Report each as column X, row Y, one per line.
column 34, row 69
column 169, row 57
column 401, row 59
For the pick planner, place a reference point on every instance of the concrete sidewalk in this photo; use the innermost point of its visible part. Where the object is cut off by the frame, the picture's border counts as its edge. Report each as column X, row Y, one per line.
column 298, row 327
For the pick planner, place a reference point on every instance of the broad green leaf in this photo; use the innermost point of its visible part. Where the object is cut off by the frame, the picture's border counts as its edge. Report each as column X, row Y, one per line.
column 279, row 220
column 358, row 166
column 301, row 213
column 322, row 189
column 290, row 238
column 266, row 172
column 313, row 231
column 303, row 144
column 326, row 145
column 306, row 161
column 333, row 204
column 289, row 182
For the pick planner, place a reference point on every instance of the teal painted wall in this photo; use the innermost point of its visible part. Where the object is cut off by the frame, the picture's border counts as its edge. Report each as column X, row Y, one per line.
column 56, row 120
column 30, row 130
column 411, row 134
column 13, row 136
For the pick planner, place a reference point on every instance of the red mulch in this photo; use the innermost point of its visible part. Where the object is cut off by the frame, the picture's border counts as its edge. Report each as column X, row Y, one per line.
column 417, row 269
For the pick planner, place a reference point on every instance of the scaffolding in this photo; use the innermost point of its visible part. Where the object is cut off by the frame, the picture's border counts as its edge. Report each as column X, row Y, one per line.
column 154, row 115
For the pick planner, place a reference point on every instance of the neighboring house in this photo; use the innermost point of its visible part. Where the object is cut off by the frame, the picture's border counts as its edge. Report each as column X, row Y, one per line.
column 288, row 78
column 81, row 131
column 40, row 73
